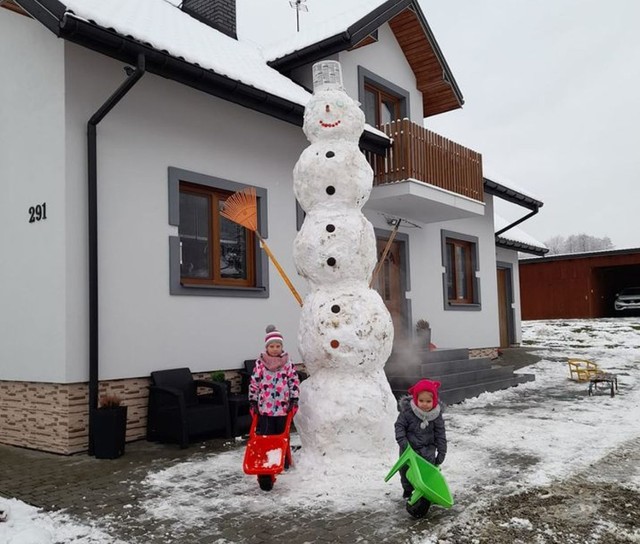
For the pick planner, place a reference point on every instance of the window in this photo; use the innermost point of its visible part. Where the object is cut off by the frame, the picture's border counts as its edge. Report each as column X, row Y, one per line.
column 460, row 261
column 382, row 100
column 211, row 255
column 380, row 108
column 214, row 250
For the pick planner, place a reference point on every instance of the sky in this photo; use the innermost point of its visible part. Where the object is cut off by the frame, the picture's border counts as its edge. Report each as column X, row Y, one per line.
column 486, row 436
column 550, row 90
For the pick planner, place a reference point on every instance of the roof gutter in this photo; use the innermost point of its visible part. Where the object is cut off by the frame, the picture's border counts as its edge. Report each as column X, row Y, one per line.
column 92, row 184
column 162, row 64
column 520, row 246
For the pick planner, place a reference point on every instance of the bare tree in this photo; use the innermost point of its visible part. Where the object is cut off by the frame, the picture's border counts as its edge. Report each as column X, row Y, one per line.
column 577, row 243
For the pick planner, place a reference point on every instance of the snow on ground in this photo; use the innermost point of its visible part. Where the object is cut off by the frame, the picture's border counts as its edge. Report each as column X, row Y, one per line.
column 28, row 525
column 499, row 443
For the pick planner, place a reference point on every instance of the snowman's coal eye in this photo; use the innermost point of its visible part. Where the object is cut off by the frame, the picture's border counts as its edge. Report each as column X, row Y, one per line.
column 335, row 308
column 331, row 261
column 331, row 190
column 330, row 228
column 330, row 154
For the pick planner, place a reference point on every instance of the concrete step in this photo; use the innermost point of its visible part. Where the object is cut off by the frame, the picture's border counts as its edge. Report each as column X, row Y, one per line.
column 458, row 394
column 402, row 356
column 437, row 368
column 452, row 380
column 451, row 367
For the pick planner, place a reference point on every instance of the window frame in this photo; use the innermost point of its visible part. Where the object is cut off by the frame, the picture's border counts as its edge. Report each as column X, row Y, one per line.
column 258, row 284
column 214, row 196
column 368, row 80
column 470, row 243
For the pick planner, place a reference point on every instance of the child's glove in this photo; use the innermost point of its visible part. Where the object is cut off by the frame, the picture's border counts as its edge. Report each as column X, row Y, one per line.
column 253, row 407
column 293, row 406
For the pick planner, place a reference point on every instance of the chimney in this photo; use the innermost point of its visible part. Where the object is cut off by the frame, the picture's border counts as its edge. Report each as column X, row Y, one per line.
column 218, row 14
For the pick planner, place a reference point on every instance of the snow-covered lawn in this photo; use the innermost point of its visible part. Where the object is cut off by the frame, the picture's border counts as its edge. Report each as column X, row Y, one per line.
column 500, row 444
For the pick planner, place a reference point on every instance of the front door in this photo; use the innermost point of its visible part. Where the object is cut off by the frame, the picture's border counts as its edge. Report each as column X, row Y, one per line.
column 504, row 307
column 390, row 285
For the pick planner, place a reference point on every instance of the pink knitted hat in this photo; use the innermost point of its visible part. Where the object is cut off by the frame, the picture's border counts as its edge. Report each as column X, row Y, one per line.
column 425, row 385
column 273, row 335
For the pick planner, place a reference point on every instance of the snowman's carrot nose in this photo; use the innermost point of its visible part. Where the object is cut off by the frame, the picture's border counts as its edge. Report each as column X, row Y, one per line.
column 327, row 108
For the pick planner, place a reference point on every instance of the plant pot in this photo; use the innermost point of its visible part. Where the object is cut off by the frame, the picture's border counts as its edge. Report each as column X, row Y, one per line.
column 109, row 431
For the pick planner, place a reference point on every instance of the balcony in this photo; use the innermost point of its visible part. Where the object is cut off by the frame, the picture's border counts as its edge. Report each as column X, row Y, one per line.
column 426, row 177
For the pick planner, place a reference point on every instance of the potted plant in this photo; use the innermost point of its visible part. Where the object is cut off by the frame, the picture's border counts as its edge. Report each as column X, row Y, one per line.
column 109, row 428
column 423, row 332
column 219, row 376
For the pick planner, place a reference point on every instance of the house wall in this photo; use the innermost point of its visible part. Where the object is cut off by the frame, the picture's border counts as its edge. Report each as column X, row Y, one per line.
column 457, row 328
column 32, row 172
column 386, row 59
column 452, row 328
column 160, row 124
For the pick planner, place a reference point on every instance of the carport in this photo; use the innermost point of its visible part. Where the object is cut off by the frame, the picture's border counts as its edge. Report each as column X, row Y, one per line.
column 581, row 285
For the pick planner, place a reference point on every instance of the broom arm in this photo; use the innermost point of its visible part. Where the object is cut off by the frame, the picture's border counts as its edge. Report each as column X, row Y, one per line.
column 385, row 252
column 283, row 274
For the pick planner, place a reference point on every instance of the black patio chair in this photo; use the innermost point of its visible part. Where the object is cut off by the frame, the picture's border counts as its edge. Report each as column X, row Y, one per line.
column 177, row 413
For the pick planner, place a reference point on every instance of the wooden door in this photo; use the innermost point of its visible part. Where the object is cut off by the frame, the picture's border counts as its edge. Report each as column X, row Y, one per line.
column 504, row 307
column 389, row 284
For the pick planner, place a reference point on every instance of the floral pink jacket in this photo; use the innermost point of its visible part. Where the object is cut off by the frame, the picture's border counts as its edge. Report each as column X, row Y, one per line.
column 273, row 389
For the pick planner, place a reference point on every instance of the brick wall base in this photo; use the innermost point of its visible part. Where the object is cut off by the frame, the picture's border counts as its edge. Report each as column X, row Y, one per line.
column 54, row 417
column 476, row 353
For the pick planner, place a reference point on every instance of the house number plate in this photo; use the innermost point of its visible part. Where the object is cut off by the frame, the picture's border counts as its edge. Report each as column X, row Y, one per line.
column 38, row 212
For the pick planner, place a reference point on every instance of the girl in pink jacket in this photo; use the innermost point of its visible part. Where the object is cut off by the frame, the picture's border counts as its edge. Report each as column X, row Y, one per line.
column 274, row 386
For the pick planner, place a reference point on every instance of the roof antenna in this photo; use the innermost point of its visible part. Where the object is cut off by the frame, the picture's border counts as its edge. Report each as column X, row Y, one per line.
column 298, row 5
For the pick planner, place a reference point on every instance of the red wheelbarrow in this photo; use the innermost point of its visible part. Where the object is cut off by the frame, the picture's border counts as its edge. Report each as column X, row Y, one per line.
column 267, row 454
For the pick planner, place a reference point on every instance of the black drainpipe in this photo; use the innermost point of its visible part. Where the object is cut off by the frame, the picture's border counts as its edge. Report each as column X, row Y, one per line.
column 133, row 77
column 517, row 222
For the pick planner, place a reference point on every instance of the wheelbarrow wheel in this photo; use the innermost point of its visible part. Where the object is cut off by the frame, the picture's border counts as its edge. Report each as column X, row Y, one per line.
column 265, row 483
column 419, row 509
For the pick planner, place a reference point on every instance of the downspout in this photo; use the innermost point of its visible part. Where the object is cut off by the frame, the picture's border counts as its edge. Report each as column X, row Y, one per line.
column 517, row 222
column 92, row 182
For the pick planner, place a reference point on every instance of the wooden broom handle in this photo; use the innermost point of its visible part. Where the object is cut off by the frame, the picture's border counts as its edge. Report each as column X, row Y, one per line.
column 283, row 274
column 385, row 252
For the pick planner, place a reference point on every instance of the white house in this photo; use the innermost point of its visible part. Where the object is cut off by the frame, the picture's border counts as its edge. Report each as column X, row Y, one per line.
column 124, row 125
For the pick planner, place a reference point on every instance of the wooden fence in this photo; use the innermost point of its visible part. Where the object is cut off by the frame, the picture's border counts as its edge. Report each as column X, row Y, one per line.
column 423, row 155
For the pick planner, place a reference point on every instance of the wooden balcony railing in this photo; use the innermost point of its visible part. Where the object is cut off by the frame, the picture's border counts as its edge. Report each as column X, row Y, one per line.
column 423, row 155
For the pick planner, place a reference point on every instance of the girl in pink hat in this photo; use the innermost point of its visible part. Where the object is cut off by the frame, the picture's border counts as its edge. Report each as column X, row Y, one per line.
column 420, row 424
column 274, row 386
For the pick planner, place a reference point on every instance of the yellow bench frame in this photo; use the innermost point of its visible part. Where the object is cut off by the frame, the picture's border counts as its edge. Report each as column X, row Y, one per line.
column 582, row 370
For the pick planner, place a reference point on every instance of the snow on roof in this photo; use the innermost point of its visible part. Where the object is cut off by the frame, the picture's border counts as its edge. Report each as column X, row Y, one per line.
column 321, row 22
column 165, row 27
column 515, row 234
column 506, row 182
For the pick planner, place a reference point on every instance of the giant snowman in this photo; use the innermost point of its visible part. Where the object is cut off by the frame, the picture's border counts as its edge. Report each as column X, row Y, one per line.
column 345, row 334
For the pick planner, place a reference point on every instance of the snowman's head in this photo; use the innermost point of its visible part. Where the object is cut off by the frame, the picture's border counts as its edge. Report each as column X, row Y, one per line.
column 333, row 115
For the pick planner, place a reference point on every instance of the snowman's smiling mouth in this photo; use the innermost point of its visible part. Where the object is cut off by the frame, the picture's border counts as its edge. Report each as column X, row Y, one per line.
column 329, row 125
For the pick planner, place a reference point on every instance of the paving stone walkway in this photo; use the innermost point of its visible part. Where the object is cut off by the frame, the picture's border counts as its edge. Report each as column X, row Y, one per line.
column 107, row 493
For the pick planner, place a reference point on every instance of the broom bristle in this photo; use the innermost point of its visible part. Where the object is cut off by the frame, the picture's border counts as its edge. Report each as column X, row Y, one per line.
column 241, row 208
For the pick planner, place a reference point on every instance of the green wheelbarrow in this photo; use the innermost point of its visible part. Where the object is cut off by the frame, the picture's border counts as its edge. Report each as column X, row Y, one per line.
column 427, row 481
